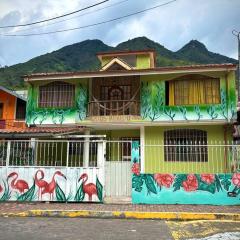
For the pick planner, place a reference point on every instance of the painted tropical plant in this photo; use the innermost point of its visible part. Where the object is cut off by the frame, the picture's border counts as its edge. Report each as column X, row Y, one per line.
column 82, row 102
column 29, row 195
column 89, row 189
column 211, row 183
column 6, row 192
column 211, row 110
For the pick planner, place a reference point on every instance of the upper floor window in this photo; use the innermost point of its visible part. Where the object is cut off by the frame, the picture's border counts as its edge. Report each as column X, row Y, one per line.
column 193, row 89
column 57, row 94
column 185, row 145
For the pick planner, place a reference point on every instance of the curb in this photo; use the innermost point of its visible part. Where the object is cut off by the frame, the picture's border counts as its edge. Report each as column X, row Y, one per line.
column 180, row 216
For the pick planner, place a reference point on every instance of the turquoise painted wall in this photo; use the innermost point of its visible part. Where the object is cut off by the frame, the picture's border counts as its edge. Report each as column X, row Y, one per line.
column 214, row 189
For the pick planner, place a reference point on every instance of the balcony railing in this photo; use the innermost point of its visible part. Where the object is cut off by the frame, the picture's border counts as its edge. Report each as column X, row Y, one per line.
column 114, row 107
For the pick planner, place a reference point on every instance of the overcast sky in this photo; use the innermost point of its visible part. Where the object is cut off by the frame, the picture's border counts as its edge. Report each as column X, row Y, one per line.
column 173, row 25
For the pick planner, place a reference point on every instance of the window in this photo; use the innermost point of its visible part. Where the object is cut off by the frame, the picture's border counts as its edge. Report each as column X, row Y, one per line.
column 57, row 94
column 194, row 89
column 20, row 109
column 185, row 145
column 126, row 148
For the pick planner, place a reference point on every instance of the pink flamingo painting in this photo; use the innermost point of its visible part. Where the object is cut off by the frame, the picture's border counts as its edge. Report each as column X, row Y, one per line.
column 90, row 188
column 50, row 187
column 1, row 188
column 40, row 182
column 19, row 185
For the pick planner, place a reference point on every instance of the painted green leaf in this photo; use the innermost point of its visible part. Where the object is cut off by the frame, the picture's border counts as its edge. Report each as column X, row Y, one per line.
column 207, row 187
column 60, row 195
column 218, row 183
column 226, row 183
column 29, row 195
column 7, row 194
column 150, row 183
column 178, row 181
column 137, row 182
column 79, row 194
column 99, row 190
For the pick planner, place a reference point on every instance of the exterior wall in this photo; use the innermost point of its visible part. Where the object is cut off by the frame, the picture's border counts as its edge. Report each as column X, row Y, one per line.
column 154, row 156
column 9, row 105
column 143, row 61
column 153, row 105
column 169, row 188
column 63, row 184
column 37, row 115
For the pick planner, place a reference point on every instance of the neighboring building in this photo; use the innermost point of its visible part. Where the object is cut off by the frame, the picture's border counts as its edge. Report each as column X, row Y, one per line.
column 182, row 116
column 12, row 109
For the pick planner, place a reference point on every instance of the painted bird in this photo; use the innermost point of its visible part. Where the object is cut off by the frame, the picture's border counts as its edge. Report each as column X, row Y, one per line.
column 90, row 188
column 40, row 182
column 50, row 187
column 19, row 185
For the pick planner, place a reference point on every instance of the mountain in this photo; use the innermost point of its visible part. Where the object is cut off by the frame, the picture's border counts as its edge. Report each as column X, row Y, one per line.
column 82, row 56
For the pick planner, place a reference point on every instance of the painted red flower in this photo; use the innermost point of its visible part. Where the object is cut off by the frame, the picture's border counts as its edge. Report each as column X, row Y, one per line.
column 191, row 184
column 136, row 168
column 236, row 179
column 208, row 178
column 165, row 180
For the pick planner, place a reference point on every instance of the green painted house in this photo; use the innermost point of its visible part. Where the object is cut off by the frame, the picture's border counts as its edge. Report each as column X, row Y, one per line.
column 130, row 98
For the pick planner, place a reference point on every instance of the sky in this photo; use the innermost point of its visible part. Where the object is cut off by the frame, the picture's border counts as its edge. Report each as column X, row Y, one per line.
column 209, row 21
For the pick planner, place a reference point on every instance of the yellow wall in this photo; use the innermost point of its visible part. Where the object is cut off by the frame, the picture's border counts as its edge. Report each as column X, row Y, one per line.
column 154, row 155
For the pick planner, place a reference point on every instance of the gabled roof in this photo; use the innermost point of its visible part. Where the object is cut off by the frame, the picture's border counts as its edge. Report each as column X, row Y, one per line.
column 118, row 61
column 12, row 93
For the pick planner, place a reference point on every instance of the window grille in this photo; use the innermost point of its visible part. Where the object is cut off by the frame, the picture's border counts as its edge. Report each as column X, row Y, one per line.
column 185, row 145
column 57, row 94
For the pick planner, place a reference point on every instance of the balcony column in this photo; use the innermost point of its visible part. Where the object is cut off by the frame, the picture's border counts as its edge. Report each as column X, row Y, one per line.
column 86, row 149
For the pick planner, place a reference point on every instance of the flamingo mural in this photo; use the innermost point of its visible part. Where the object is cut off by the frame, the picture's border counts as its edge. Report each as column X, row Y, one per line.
column 90, row 188
column 51, row 186
column 19, row 185
column 1, row 188
column 40, row 182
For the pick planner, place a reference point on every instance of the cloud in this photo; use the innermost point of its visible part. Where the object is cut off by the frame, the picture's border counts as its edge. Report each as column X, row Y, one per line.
column 173, row 25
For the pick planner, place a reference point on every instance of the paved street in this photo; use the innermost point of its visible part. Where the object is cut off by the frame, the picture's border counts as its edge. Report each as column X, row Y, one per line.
column 115, row 229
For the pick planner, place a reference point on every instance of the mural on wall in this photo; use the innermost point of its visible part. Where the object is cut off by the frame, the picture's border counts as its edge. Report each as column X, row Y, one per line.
column 153, row 106
column 40, row 116
column 217, row 189
column 50, row 185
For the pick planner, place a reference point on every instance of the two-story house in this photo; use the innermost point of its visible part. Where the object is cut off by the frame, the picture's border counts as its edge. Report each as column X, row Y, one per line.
column 177, row 113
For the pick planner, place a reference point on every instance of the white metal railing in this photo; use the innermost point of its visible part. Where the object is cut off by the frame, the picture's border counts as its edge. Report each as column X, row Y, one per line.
column 52, row 153
column 191, row 157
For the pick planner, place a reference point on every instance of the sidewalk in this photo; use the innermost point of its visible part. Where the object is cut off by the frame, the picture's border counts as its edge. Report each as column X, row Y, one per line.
column 170, row 212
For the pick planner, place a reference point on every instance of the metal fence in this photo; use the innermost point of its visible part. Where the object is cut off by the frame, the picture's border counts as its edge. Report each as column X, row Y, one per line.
column 62, row 153
column 191, row 157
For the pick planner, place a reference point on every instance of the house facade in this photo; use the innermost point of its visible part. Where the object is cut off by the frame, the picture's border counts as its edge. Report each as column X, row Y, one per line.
column 147, row 129
column 12, row 109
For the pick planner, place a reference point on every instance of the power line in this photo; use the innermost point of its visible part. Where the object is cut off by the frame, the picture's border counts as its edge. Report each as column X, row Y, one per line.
column 81, row 15
column 90, row 25
column 50, row 19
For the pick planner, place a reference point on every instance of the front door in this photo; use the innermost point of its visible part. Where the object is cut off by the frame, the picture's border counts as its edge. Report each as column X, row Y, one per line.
column 115, row 97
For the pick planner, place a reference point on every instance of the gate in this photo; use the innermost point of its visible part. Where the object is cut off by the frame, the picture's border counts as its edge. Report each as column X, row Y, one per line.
column 118, row 169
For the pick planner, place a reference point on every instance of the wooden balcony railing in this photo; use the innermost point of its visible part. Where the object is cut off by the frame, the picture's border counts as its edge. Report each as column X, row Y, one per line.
column 114, row 107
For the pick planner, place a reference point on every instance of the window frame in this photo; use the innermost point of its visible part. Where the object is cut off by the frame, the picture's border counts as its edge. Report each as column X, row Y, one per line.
column 46, row 104
column 182, row 148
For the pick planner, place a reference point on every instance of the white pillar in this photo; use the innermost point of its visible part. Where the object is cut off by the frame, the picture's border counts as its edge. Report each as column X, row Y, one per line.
column 86, row 149
column 34, row 150
column 142, row 148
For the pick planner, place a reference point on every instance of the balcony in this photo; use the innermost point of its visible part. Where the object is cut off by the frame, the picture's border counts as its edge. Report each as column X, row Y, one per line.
column 114, row 108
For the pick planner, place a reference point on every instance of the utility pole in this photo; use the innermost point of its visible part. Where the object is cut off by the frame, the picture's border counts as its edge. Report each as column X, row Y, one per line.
column 237, row 34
